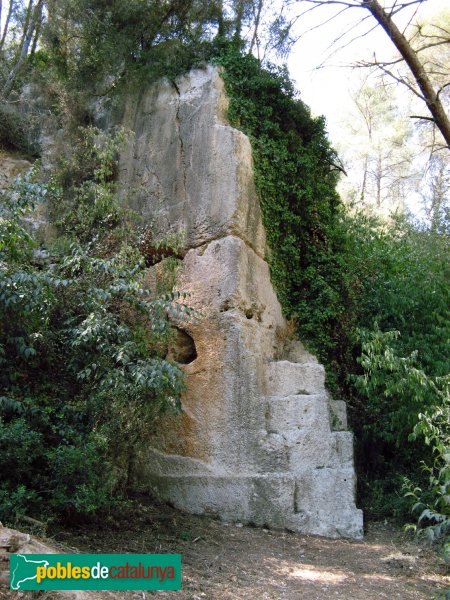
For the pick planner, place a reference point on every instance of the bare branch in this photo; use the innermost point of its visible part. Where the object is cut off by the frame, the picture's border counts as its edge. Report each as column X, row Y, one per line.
column 339, row 2
column 377, row 62
column 348, row 43
column 383, row 17
column 380, row 65
column 310, row 29
column 348, row 30
column 410, row 20
column 422, row 118
column 427, row 46
column 442, row 88
column 447, row 31
column 401, row 43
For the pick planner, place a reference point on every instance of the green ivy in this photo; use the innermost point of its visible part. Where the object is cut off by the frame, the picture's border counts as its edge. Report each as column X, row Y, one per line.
column 296, row 172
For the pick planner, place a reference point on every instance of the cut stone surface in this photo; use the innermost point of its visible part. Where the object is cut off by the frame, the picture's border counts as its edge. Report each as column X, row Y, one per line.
column 285, row 378
column 312, row 450
column 187, row 171
column 257, row 499
column 296, row 413
column 294, row 351
column 338, row 415
column 319, row 491
column 254, row 441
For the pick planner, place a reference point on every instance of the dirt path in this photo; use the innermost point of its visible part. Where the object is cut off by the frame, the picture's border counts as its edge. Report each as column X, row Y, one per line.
column 231, row 562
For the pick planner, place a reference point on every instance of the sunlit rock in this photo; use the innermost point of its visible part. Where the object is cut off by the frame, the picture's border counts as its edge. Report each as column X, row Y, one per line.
column 258, row 439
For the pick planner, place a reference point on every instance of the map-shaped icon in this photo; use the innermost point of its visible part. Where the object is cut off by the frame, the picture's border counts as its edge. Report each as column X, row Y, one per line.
column 25, row 570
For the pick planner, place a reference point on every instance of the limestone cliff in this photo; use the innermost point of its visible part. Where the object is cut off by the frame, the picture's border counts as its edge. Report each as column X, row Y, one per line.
column 254, row 442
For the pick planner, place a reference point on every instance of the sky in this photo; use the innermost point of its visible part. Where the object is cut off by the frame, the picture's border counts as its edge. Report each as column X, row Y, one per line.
column 325, row 79
column 327, row 89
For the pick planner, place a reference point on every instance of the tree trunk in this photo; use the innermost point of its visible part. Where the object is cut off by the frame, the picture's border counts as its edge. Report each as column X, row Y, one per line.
column 5, row 29
column 439, row 187
column 221, row 21
column 239, row 16
column 379, row 177
column 33, row 15
column 37, row 32
column 364, row 181
column 255, row 31
column 26, row 29
column 410, row 57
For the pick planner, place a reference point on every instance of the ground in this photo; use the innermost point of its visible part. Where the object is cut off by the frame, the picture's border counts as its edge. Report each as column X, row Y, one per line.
column 223, row 561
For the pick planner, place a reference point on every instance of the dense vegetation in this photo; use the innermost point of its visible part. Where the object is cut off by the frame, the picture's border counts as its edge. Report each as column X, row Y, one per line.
column 369, row 296
column 83, row 377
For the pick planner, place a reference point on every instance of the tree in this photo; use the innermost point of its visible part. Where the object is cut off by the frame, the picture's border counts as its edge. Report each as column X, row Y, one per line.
column 423, row 85
column 28, row 20
column 436, row 191
column 7, row 20
column 96, row 43
column 378, row 154
column 268, row 29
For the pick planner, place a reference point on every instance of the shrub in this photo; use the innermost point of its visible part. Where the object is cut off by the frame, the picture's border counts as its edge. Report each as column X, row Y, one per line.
column 83, row 371
column 433, row 503
column 18, row 132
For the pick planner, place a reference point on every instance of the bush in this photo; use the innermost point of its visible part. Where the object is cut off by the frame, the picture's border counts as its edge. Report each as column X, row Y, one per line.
column 18, row 132
column 296, row 172
column 433, row 503
column 83, row 374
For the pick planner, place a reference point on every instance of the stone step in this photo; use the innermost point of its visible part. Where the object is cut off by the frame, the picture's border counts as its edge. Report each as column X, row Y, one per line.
column 297, row 412
column 345, row 523
column 296, row 451
column 294, row 351
column 284, row 378
column 318, row 501
column 313, row 451
column 325, row 499
column 249, row 498
column 324, row 489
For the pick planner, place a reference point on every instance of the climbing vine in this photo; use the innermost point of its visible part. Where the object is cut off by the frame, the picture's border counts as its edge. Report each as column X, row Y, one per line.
column 296, row 172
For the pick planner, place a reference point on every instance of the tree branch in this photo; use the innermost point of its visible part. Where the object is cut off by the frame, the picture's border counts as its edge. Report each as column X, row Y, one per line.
column 442, row 88
column 383, row 17
column 422, row 118
column 401, row 43
column 380, row 65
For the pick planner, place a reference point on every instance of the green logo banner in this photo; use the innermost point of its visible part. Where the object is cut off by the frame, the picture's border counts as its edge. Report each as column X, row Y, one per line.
column 95, row 571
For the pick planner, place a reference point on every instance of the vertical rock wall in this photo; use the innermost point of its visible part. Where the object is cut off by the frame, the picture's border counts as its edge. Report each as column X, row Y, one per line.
column 258, row 439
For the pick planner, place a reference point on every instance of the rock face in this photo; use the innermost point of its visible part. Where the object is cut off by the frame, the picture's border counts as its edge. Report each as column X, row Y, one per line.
column 258, row 440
